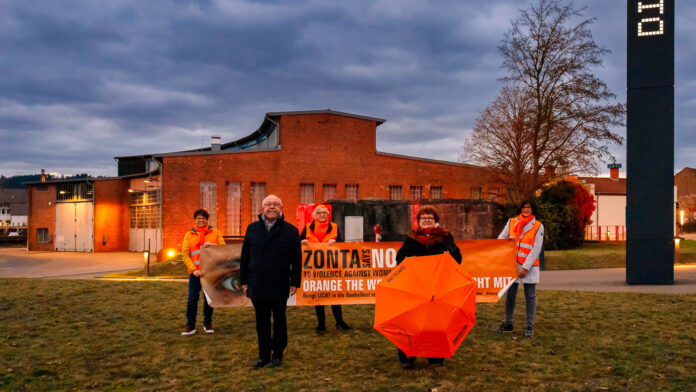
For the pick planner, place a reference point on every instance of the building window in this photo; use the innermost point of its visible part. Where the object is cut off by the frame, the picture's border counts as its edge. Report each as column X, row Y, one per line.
column 234, row 208
column 395, row 192
column 306, row 193
column 493, row 194
column 75, row 191
column 5, row 209
column 42, row 188
column 43, row 235
column 144, row 210
column 330, row 192
column 416, row 192
column 475, row 192
column 352, row 192
column 209, row 201
column 258, row 193
column 436, row 192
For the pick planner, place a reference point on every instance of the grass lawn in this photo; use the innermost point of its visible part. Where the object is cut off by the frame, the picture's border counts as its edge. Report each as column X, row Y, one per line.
column 605, row 255
column 100, row 335
column 166, row 270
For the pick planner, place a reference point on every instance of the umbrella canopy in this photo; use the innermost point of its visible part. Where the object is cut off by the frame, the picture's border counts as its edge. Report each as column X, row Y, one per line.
column 426, row 306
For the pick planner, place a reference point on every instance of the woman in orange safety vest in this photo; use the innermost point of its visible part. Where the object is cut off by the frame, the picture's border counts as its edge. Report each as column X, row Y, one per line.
column 322, row 230
column 200, row 235
column 528, row 234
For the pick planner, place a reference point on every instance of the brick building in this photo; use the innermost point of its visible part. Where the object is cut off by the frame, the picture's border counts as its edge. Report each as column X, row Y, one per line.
column 303, row 157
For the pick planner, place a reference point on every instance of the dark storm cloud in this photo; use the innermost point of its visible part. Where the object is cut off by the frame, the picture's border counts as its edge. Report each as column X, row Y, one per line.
column 84, row 81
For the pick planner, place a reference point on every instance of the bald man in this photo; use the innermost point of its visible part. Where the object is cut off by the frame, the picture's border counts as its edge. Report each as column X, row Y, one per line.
column 270, row 273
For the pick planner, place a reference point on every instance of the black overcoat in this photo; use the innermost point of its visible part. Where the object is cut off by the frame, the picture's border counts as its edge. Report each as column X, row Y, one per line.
column 271, row 260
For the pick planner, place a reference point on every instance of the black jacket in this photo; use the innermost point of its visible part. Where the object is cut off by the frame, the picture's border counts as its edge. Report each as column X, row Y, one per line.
column 411, row 247
column 271, row 260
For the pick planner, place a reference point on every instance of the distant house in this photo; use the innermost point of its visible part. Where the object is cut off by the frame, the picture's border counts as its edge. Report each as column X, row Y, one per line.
column 13, row 209
column 685, row 181
column 609, row 217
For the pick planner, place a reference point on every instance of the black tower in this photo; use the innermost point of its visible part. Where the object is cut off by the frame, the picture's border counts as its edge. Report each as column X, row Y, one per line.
column 650, row 143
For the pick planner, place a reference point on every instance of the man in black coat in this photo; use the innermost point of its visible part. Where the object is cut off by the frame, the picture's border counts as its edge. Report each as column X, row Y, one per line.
column 269, row 273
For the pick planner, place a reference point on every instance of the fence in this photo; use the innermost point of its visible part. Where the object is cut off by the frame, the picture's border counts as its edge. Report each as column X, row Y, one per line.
column 605, row 233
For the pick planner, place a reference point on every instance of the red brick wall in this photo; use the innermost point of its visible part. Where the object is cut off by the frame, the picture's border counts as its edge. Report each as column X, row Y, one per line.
column 41, row 215
column 317, row 149
column 111, row 215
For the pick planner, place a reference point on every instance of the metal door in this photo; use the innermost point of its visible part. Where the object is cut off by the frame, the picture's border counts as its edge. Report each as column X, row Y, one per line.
column 74, row 227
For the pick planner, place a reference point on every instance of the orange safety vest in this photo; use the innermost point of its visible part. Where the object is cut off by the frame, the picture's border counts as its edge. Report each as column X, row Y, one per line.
column 526, row 242
column 331, row 233
column 194, row 243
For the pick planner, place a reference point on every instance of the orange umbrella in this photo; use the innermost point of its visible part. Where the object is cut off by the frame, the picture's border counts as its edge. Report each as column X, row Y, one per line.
column 426, row 306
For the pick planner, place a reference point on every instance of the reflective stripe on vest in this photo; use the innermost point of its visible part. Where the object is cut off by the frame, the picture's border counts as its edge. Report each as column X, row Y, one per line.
column 330, row 235
column 526, row 242
column 194, row 247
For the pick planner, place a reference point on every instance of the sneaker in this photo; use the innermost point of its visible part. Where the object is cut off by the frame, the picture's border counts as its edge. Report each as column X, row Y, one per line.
column 208, row 328
column 407, row 365
column 504, row 328
column 188, row 331
column 529, row 332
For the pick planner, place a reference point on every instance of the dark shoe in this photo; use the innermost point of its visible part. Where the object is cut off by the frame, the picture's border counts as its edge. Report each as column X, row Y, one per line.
column 260, row 363
column 504, row 328
column 188, row 331
column 208, row 328
column 320, row 328
column 342, row 325
column 436, row 362
column 275, row 362
column 529, row 332
column 406, row 365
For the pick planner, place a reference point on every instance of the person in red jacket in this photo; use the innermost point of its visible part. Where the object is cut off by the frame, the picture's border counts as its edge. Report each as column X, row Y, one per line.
column 200, row 235
column 322, row 230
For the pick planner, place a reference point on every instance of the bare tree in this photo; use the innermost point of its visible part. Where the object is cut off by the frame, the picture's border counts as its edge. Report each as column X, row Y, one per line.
column 552, row 111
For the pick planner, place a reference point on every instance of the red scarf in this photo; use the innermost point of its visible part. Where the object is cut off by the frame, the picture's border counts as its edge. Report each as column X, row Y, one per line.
column 429, row 236
column 521, row 222
column 320, row 229
column 202, row 232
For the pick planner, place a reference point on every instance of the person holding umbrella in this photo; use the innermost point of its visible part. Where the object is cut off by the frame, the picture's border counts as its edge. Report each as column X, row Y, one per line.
column 428, row 239
column 322, row 230
column 529, row 235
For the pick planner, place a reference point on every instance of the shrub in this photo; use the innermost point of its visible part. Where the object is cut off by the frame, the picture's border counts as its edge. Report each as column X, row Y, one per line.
column 565, row 209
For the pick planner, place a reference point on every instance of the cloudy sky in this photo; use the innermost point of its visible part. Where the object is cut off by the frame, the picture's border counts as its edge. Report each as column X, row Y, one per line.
column 84, row 81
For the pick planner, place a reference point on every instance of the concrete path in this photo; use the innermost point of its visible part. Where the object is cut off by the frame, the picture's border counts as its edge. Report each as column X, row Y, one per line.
column 614, row 280
column 19, row 263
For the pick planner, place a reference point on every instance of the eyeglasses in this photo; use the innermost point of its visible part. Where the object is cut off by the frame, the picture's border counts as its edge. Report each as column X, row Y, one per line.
column 321, row 212
column 275, row 204
column 427, row 218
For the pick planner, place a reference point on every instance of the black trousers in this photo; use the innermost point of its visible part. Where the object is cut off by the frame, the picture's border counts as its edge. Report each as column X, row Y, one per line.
column 335, row 309
column 268, row 343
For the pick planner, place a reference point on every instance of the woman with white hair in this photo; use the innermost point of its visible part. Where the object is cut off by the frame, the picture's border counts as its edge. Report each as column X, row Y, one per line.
column 322, row 230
